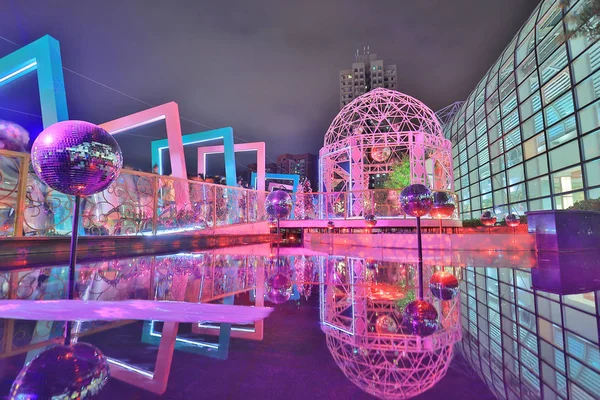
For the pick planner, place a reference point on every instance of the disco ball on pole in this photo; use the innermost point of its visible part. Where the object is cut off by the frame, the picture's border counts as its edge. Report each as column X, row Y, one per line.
column 76, row 158
column 488, row 219
column 443, row 205
column 416, row 200
column 278, row 204
column 512, row 220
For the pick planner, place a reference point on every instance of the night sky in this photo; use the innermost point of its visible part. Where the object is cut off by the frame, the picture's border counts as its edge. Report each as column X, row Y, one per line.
column 268, row 68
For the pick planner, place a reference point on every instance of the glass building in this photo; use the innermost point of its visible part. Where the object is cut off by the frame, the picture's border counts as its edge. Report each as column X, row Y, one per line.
column 528, row 138
column 527, row 343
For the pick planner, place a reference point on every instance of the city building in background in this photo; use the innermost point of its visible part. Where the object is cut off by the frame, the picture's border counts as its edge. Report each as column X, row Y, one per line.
column 367, row 73
column 300, row 164
column 528, row 137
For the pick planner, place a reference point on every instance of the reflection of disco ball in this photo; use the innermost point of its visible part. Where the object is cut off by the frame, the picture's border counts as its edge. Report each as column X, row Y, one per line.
column 63, row 372
column 370, row 220
column 330, row 225
column 443, row 205
column 76, row 158
column 416, row 200
column 272, row 222
column 381, row 154
column 386, row 325
column 488, row 219
column 278, row 204
column 279, row 281
column 421, row 318
column 512, row 220
column 13, row 137
column 443, row 285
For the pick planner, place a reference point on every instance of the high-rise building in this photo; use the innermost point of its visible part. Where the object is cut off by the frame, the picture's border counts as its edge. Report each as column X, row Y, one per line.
column 301, row 164
column 367, row 73
column 528, row 137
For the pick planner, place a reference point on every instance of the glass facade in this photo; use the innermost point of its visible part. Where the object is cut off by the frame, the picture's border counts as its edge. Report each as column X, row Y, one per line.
column 528, row 136
column 529, row 344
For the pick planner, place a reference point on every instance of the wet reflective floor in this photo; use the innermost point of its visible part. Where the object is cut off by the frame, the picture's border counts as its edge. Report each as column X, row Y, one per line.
column 522, row 326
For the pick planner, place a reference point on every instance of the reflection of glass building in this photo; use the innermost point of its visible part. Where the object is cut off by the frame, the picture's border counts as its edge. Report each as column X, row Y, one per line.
column 527, row 137
column 526, row 343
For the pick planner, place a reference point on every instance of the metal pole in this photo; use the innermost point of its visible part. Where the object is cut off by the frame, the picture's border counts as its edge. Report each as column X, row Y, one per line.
column 420, row 255
column 72, row 262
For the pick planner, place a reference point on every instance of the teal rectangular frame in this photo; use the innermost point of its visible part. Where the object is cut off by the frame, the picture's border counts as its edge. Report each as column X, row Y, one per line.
column 295, row 178
column 226, row 134
column 42, row 55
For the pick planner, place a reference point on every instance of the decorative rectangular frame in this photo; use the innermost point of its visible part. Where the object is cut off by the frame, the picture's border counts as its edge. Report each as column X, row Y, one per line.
column 259, row 147
column 42, row 55
column 226, row 134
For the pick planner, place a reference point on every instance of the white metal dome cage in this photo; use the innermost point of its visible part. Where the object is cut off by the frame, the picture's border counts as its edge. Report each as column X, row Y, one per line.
column 372, row 133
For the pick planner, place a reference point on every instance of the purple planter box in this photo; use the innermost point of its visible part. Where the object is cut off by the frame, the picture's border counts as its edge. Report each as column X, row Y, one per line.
column 565, row 230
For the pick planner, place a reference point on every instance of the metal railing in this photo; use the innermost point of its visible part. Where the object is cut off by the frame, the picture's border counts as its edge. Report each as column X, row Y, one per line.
column 382, row 203
column 137, row 203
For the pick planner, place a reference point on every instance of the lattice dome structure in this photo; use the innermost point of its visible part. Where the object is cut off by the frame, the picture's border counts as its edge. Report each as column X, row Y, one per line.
column 372, row 133
column 388, row 365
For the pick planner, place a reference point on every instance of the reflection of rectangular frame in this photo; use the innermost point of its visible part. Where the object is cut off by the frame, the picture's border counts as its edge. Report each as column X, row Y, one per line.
column 226, row 134
column 259, row 147
column 42, row 55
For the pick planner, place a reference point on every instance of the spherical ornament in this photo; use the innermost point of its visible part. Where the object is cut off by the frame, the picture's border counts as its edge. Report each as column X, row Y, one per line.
column 421, row 318
column 381, row 154
column 512, row 220
column 443, row 205
column 63, row 372
column 330, row 225
column 278, row 204
column 370, row 220
column 279, row 281
column 13, row 137
column 416, row 200
column 386, row 325
column 443, row 285
column 488, row 219
column 76, row 158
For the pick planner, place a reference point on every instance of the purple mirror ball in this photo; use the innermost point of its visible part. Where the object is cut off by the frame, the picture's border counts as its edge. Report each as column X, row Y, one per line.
column 443, row 285
column 76, row 158
column 421, row 318
column 278, row 204
column 63, row 372
column 416, row 200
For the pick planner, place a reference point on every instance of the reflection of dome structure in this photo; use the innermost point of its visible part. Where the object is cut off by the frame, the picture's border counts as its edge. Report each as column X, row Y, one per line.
column 372, row 133
column 378, row 360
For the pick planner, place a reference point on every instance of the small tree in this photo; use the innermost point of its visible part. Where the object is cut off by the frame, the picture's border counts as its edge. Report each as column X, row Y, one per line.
column 400, row 175
column 304, row 205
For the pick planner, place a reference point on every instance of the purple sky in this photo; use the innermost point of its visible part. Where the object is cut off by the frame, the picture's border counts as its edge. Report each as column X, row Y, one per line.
column 268, row 68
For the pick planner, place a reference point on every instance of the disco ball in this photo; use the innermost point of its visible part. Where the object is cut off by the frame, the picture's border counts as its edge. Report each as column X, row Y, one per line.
column 279, row 281
column 386, row 325
column 488, row 219
column 421, row 318
column 76, row 158
column 443, row 205
column 416, row 200
column 13, row 137
column 278, row 296
column 381, row 154
column 278, row 204
column 62, row 372
column 443, row 285
column 512, row 220
column 330, row 225
column 370, row 220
